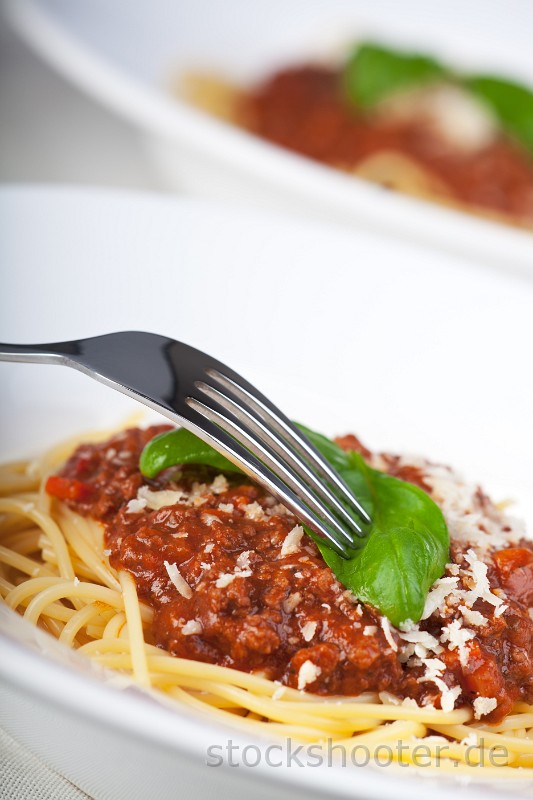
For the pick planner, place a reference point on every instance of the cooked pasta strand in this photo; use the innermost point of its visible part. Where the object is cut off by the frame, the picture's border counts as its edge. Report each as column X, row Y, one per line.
column 55, row 573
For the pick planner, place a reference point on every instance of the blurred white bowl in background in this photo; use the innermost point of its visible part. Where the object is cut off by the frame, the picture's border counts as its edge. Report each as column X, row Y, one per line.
column 125, row 54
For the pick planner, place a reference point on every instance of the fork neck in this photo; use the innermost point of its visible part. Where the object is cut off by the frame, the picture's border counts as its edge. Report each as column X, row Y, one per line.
column 36, row 353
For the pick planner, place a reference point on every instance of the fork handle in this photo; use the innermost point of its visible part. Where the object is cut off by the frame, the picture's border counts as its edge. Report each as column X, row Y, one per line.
column 37, row 353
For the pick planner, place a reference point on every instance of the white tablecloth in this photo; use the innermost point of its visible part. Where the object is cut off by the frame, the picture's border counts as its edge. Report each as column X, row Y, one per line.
column 24, row 777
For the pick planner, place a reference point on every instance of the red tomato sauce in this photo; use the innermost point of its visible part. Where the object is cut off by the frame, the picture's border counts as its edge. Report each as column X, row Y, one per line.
column 303, row 109
column 258, row 604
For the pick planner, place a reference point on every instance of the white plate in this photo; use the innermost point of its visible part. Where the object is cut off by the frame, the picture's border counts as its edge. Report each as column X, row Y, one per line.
column 125, row 55
column 411, row 349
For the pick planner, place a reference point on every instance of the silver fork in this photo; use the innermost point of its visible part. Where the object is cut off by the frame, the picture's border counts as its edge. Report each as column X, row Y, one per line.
column 215, row 403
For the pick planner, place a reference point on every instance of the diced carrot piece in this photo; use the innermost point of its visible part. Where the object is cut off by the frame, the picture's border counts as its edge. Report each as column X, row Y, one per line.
column 67, row 488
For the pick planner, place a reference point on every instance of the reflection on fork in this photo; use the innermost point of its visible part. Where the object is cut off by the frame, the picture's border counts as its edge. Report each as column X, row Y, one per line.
column 224, row 410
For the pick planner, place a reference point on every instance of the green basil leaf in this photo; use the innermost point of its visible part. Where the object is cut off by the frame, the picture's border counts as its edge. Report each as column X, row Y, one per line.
column 405, row 548
column 403, row 551
column 337, row 457
column 180, row 446
column 373, row 72
column 511, row 103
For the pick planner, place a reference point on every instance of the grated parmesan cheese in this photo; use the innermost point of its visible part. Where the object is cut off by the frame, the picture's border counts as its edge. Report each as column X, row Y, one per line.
column 157, row 500
column 242, row 569
column 458, row 118
column 457, row 638
column 471, row 519
column 448, row 697
column 243, row 560
column 439, row 592
column 385, row 624
column 254, row 511
column 309, row 630
column 409, row 702
column 474, row 617
column 178, row 580
column 291, row 543
column 278, row 693
column 278, row 510
column 483, row 706
column 193, row 626
column 291, row 602
column 500, row 610
column 224, row 579
column 422, row 641
column 219, row 485
column 481, row 587
column 434, row 670
column 308, row 673
column 136, row 505
column 389, row 699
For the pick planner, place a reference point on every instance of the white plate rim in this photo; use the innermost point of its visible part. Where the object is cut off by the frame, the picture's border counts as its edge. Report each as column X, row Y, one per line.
column 171, row 119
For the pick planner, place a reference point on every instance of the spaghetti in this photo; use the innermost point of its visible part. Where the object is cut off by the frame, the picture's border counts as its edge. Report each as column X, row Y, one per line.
column 55, row 570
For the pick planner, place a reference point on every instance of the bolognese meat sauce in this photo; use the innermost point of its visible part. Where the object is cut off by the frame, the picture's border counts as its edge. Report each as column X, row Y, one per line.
column 233, row 580
column 304, row 110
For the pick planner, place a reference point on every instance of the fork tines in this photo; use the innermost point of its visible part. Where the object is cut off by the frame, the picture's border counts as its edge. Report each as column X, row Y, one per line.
column 282, row 450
